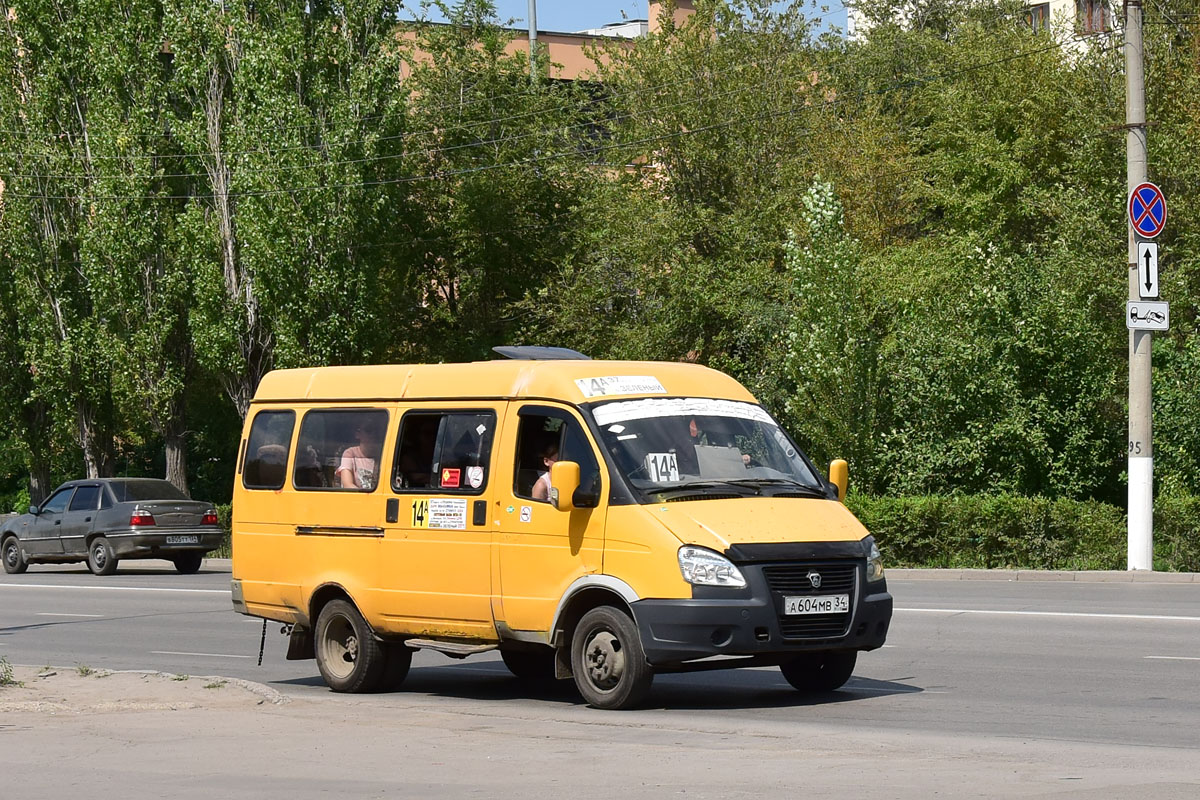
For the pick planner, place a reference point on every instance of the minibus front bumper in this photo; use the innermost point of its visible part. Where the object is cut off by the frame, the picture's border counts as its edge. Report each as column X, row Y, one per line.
column 752, row 621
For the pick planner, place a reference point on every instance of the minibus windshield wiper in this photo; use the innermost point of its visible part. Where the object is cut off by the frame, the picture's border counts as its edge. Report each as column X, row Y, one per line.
column 697, row 487
column 787, row 483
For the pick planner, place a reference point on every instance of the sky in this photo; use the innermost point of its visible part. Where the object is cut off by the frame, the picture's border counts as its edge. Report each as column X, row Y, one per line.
column 578, row 15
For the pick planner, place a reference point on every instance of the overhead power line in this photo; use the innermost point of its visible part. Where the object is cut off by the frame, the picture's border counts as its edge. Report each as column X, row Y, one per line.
column 538, row 159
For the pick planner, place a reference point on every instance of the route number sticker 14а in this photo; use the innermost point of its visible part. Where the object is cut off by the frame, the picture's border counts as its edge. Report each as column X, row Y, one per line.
column 662, row 467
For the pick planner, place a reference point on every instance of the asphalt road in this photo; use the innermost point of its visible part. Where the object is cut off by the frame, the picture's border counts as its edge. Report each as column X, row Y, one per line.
column 992, row 676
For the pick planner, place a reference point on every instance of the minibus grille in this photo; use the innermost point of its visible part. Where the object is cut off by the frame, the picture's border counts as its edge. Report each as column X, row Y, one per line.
column 792, row 580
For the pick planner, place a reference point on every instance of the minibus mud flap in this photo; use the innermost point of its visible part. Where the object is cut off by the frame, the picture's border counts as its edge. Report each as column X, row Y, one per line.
column 300, row 644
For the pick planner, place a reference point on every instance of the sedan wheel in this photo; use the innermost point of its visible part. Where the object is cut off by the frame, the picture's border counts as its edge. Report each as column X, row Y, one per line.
column 187, row 563
column 14, row 559
column 100, row 558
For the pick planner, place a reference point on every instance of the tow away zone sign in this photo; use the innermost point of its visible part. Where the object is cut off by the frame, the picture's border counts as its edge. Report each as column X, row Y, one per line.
column 1147, row 315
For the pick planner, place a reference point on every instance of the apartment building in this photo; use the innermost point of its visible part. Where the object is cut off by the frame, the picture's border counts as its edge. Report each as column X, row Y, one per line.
column 568, row 51
column 1068, row 18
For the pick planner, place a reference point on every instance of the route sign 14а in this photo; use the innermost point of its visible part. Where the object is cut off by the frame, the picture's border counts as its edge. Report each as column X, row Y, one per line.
column 1147, row 315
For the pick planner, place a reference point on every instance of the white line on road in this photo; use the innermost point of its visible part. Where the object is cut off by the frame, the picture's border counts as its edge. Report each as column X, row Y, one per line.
column 1048, row 614
column 1173, row 658
column 109, row 588
column 206, row 655
column 51, row 614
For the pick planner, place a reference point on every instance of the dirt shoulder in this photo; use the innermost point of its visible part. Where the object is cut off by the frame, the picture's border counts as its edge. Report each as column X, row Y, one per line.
column 79, row 690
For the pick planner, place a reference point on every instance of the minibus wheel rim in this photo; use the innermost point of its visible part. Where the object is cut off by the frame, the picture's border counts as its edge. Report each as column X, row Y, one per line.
column 605, row 660
column 339, row 647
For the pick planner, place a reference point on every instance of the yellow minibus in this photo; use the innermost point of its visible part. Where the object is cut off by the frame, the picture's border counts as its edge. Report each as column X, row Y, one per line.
column 597, row 520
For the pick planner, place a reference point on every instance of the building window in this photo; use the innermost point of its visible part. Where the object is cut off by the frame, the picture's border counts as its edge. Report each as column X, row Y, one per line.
column 1038, row 17
column 1093, row 16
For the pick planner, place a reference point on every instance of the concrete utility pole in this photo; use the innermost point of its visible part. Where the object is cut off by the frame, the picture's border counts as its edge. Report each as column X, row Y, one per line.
column 1141, row 453
column 532, row 41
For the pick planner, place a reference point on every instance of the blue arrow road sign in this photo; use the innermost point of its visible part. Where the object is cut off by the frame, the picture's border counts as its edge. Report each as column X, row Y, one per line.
column 1147, row 210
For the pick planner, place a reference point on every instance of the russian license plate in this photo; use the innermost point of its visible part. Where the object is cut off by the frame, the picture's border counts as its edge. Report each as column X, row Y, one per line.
column 819, row 604
column 193, row 539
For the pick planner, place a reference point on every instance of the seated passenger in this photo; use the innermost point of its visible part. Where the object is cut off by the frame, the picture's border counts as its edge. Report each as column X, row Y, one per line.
column 360, row 463
column 541, row 489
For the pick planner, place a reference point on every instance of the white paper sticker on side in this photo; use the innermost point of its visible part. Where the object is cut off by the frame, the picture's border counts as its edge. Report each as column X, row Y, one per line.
column 448, row 514
column 526, row 513
column 608, row 385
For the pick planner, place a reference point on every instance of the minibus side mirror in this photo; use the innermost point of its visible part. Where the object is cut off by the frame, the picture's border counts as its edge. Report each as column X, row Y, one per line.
column 564, row 480
column 839, row 476
column 34, row 510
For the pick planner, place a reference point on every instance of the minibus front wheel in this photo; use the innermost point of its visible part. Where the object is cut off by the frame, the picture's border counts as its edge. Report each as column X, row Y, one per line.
column 348, row 655
column 607, row 660
column 821, row 671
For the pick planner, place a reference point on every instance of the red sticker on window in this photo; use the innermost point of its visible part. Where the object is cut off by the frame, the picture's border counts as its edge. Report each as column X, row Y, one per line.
column 451, row 478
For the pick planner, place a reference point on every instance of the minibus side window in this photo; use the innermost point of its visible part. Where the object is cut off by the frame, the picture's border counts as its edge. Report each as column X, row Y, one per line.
column 444, row 452
column 340, row 449
column 267, row 450
column 542, row 439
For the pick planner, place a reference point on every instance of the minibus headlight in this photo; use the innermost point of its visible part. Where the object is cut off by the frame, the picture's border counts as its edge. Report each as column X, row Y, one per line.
column 702, row 567
column 874, row 559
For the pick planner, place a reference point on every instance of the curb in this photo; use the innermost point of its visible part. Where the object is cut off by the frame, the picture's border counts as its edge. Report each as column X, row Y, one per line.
column 1027, row 575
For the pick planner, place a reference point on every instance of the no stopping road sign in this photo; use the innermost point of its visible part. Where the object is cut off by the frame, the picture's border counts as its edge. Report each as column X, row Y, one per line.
column 1147, row 210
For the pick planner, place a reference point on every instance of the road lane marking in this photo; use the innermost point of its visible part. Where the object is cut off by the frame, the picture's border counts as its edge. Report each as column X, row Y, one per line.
column 1173, row 658
column 109, row 588
column 205, row 655
column 1050, row 614
column 51, row 614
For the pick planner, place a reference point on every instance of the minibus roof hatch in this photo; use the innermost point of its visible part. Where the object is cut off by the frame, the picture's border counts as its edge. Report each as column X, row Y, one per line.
column 534, row 353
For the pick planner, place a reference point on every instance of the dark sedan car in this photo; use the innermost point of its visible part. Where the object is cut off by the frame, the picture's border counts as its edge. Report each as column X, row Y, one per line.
column 103, row 521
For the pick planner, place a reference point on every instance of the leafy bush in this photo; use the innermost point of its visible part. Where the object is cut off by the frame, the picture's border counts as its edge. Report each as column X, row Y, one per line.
column 225, row 516
column 1008, row 531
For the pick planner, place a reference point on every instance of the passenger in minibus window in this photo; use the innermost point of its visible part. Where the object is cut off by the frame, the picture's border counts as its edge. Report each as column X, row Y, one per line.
column 541, row 489
column 360, row 463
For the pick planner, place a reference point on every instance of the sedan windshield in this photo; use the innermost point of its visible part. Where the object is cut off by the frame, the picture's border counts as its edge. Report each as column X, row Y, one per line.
column 695, row 446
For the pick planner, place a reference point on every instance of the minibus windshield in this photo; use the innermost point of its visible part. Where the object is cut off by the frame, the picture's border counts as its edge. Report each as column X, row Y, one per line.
column 674, row 447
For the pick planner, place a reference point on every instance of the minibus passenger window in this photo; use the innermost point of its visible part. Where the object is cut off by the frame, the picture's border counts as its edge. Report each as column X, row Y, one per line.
column 340, row 449
column 448, row 452
column 267, row 451
column 543, row 440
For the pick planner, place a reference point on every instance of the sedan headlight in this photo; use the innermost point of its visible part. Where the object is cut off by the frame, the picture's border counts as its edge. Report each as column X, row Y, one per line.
column 874, row 560
column 703, row 567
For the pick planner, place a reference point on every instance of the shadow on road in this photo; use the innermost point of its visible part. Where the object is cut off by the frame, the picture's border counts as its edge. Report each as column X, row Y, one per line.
column 726, row 689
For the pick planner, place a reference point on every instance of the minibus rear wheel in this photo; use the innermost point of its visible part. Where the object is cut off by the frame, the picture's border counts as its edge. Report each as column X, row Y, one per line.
column 607, row 659
column 820, row 672
column 348, row 655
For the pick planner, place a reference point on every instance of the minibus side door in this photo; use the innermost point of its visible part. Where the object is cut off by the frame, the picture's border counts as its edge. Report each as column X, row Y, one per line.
column 437, row 543
column 542, row 550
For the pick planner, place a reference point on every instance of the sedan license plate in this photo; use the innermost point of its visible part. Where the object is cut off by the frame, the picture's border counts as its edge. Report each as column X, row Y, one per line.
column 819, row 604
column 183, row 540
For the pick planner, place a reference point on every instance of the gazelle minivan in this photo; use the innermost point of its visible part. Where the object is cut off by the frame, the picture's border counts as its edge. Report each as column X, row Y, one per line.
column 597, row 520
